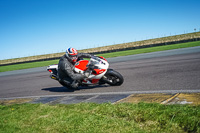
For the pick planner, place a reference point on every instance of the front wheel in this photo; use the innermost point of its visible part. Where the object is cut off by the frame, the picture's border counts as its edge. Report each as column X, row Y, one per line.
column 114, row 78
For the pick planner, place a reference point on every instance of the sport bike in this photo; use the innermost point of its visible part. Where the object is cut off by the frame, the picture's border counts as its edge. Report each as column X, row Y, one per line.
column 97, row 71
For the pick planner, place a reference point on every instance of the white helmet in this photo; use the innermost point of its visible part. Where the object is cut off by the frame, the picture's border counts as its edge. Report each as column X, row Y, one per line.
column 72, row 54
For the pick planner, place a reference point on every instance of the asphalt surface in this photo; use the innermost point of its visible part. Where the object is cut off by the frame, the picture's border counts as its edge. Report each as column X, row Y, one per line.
column 159, row 72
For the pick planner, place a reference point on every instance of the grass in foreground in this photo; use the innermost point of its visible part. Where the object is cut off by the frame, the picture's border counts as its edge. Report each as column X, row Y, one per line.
column 106, row 55
column 91, row 117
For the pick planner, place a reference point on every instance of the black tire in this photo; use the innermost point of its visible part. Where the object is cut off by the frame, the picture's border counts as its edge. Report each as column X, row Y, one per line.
column 114, row 78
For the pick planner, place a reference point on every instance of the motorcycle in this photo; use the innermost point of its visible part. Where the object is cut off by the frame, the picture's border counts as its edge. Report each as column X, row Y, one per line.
column 97, row 69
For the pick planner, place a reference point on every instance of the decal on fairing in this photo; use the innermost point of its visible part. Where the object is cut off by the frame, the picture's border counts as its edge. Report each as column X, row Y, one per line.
column 98, row 71
column 94, row 81
column 82, row 65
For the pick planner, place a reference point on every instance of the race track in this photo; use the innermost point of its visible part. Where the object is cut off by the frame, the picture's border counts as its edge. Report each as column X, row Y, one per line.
column 158, row 71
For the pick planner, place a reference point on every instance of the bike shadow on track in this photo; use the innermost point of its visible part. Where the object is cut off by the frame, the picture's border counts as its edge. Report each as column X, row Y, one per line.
column 64, row 89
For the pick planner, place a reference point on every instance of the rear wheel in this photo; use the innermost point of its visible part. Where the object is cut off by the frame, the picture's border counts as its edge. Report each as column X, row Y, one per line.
column 114, row 78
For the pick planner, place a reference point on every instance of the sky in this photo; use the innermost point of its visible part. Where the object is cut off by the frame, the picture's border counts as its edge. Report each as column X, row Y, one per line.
column 37, row 27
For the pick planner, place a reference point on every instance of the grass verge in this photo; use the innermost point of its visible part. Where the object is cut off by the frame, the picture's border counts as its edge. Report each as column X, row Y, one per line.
column 151, row 49
column 106, row 55
column 91, row 117
column 27, row 65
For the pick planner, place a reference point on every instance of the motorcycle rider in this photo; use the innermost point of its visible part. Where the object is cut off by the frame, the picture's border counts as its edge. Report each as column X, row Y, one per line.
column 66, row 64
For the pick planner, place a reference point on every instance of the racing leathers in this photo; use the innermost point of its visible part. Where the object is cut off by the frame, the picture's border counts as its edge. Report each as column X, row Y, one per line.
column 66, row 74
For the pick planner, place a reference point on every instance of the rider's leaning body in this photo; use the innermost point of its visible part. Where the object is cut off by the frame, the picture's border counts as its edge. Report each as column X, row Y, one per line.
column 66, row 64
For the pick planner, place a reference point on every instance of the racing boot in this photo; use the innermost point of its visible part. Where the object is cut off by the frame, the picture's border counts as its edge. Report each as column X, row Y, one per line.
column 75, row 84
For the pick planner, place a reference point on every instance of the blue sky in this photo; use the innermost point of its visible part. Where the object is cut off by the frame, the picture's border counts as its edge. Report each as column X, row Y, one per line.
column 36, row 27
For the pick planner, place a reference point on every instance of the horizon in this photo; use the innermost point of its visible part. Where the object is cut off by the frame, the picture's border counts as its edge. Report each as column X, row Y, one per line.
column 105, row 46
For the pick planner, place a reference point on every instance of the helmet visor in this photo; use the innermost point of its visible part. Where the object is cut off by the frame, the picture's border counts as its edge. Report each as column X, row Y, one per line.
column 73, row 57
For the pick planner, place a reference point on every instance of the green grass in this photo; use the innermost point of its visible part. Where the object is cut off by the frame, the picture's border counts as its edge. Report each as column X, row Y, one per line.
column 152, row 49
column 98, row 118
column 27, row 65
column 106, row 55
